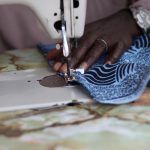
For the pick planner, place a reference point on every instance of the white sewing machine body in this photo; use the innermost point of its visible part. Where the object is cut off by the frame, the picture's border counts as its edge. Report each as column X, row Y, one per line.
column 49, row 13
column 15, row 92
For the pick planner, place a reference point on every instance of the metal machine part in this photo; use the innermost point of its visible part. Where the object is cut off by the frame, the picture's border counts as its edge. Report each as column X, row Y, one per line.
column 66, row 41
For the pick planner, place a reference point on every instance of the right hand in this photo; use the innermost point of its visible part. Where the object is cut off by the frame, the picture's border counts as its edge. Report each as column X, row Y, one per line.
column 117, row 30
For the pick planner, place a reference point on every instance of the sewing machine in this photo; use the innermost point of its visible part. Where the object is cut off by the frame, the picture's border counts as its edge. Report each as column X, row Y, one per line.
column 52, row 13
column 63, row 19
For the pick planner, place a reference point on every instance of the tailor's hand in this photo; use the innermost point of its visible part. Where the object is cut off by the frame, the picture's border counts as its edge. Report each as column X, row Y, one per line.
column 117, row 30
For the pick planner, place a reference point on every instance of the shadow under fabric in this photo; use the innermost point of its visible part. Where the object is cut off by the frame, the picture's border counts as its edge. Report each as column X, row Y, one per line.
column 122, row 82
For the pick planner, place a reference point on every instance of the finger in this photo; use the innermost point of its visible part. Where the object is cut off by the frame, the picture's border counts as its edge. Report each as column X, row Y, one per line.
column 115, row 53
column 53, row 54
column 57, row 66
column 96, row 51
column 79, row 53
column 63, row 68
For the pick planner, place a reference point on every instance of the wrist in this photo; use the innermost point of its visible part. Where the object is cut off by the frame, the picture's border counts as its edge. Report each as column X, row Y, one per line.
column 142, row 18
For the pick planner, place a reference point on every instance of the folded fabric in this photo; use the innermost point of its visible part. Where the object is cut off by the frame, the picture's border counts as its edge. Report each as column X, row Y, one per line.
column 122, row 82
column 46, row 48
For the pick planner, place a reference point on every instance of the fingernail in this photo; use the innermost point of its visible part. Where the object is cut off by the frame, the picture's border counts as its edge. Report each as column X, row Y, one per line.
column 57, row 66
column 108, row 63
column 84, row 66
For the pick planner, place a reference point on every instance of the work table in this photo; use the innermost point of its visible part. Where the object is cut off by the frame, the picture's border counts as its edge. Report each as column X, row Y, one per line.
column 74, row 125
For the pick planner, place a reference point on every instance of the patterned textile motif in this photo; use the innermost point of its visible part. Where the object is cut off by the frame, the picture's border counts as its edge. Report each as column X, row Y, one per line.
column 124, row 81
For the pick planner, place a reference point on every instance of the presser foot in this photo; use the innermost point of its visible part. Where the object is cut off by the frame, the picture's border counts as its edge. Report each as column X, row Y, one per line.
column 70, row 78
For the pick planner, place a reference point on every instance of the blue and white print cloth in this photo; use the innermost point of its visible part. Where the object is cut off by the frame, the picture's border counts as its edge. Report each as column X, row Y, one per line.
column 118, row 83
column 122, row 82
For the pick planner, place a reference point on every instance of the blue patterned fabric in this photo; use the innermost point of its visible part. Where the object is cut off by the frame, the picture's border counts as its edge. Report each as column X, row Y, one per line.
column 118, row 83
column 122, row 82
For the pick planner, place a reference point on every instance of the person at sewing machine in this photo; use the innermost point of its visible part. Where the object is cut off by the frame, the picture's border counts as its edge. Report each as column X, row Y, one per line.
column 110, row 27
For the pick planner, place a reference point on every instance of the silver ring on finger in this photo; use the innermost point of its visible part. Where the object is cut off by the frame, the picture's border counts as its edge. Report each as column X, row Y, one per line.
column 102, row 42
